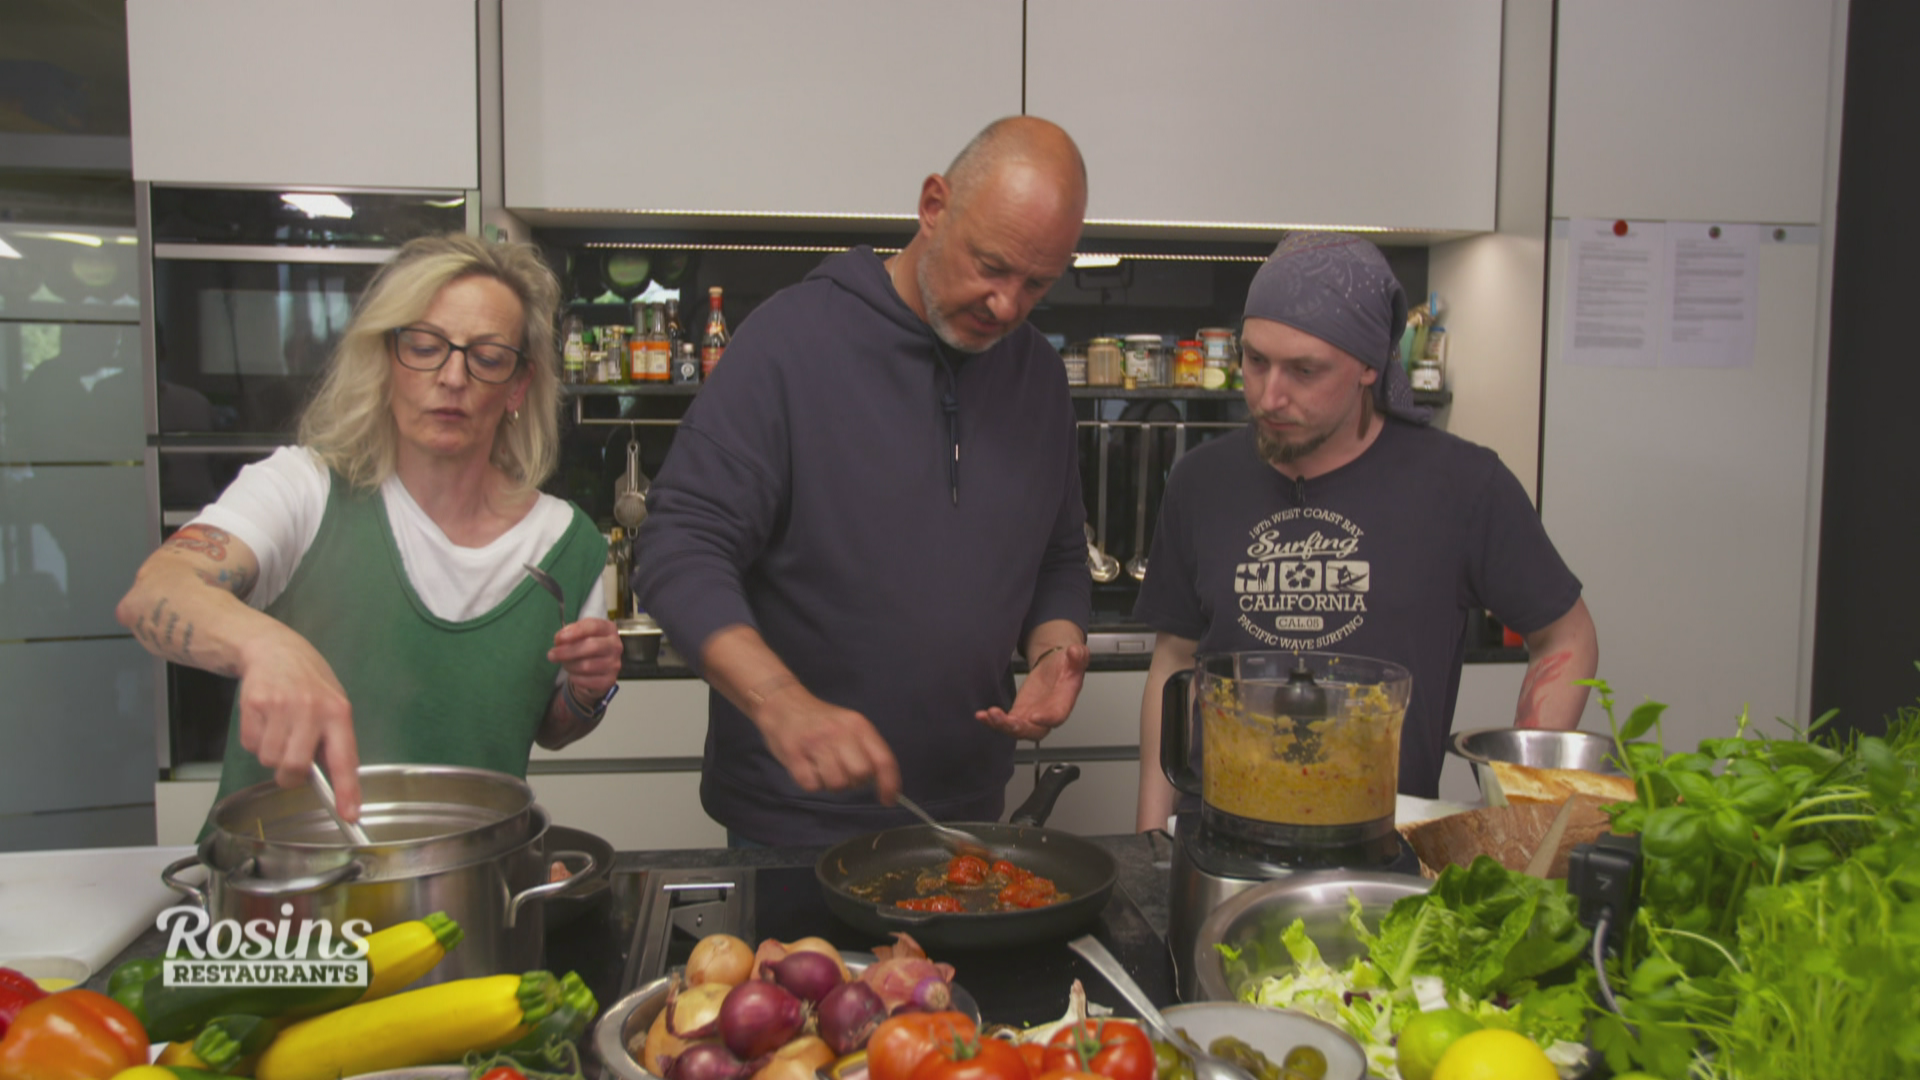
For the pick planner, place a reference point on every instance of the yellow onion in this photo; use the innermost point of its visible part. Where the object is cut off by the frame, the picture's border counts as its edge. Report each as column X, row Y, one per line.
column 720, row 958
column 798, row 1060
column 695, row 1010
column 660, row 1048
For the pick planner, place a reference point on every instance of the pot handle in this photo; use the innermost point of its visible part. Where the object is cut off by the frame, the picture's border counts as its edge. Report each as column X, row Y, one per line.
column 243, row 879
column 565, row 887
column 171, row 877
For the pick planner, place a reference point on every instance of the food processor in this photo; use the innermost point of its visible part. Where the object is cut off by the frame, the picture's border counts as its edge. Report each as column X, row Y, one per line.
column 1298, row 767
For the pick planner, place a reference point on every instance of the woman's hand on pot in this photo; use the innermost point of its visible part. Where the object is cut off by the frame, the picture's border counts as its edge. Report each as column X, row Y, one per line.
column 1046, row 697
column 589, row 650
column 292, row 709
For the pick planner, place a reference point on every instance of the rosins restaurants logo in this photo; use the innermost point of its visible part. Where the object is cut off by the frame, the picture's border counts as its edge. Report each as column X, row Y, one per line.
column 202, row 951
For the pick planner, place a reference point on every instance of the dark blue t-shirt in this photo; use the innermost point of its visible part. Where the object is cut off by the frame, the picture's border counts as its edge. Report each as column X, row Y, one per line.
column 1383, row 557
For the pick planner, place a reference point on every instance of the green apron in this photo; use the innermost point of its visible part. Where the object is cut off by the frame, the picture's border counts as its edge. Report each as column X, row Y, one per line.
column 423, row 690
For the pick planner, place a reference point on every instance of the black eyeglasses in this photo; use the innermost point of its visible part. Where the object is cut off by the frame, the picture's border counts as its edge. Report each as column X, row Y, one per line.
column 424, row 350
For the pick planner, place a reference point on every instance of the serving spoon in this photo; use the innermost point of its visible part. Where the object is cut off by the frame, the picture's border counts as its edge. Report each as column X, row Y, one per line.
column 546, row 581
column 355, row 834
column 960, row 841
column 1205, row 1065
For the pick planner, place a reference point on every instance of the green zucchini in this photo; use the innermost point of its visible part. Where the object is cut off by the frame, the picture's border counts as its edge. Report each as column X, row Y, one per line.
column 226, row 1042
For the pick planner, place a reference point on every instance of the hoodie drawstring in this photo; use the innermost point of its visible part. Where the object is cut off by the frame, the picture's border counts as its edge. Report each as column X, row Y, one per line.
column 950, row 404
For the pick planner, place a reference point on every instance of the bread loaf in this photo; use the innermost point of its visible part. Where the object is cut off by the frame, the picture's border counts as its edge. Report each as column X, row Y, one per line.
column 1508, row 784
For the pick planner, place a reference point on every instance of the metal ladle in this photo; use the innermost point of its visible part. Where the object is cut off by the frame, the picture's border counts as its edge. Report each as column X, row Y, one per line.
column 1205, row 1065
column 1101, row 565
column 1137, row 566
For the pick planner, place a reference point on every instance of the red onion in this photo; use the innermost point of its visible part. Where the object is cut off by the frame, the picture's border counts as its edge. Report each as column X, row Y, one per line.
column 807, row 975
column 896, row 979
column 758, row 1018
column 848, row 1015
column 932, row 993
column 706, row 1061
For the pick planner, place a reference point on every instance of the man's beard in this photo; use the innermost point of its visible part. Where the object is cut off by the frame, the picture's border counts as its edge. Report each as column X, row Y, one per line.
column 1276, row 452
column 942, row 329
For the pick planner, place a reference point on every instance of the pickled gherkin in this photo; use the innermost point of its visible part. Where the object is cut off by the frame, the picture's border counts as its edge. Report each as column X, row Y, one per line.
column 1301, row 1063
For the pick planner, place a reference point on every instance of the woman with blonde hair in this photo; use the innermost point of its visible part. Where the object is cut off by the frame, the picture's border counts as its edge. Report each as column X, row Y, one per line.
column 368, row 586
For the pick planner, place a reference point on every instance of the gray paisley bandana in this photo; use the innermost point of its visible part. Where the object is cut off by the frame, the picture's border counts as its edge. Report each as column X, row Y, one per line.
column 1339, row 289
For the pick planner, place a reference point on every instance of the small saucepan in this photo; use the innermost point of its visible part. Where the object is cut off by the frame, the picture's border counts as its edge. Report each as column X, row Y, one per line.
column 1081, row 869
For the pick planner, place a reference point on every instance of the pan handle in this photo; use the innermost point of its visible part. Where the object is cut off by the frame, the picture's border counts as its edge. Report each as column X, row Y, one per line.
column 1176, row 739
column 1046, row 791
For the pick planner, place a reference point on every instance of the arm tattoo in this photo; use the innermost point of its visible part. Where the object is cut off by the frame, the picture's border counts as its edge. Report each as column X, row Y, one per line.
column 1538, row 683
column 236, row 581
column 202, row 539
column 149, row 632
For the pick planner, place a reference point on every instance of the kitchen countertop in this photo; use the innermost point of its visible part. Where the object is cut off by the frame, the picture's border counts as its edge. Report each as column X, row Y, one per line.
column 1141, row 862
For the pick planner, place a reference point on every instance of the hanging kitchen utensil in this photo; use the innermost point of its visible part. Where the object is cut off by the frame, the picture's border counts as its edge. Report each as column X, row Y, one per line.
column 630, row 491
column 1101, row 565
column 1137, row 566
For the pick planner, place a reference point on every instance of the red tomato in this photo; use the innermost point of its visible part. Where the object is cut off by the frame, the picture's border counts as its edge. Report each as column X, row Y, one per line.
column 900, row 1044
column 1028, row 892
column 1035, row 1055
column 503, row 1072
column 967, row 870
column 973, row 1059
column 1112, row 1048
column 1009, row 871
column 72, row 1035
column 936, row 902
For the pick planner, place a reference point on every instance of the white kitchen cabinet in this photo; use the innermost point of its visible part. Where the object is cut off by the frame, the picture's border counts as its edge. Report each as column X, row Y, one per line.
column 837, row 107
column 1692, row 110
column 1365, row 112
column 349, row 93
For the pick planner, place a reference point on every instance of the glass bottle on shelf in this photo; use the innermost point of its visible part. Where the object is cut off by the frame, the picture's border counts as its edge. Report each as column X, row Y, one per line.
column 713, row 344
column 675, row 332
column 573, row 351
column 659, row 349
column 637, row 343
column 613, row 342
column 686, row 365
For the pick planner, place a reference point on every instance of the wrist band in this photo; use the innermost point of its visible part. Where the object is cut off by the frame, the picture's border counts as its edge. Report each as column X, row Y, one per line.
column 1042, row 658
column 580, row 712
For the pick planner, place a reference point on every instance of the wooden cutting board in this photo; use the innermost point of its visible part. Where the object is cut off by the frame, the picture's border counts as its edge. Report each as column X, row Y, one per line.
column 87, row 904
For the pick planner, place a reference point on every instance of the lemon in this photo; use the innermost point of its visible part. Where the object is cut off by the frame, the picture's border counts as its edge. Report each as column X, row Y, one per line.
column 1426, row 1037
column 1494, row 1054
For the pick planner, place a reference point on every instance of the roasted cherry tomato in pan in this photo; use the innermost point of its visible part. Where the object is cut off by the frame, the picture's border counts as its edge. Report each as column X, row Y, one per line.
column 967, row 870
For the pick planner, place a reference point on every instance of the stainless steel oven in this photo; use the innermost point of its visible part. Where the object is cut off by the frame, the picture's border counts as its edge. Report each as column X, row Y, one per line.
column 248, row 291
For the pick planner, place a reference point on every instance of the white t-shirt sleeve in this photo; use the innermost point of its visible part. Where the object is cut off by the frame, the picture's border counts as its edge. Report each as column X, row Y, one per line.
column 274, row 507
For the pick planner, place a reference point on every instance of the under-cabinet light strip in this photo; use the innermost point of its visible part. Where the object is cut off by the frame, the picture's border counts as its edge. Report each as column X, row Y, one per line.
column 1158, row 223
column 830, row 249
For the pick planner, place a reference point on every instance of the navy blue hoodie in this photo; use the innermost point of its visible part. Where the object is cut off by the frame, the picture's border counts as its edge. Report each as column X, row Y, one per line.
column 812, row 493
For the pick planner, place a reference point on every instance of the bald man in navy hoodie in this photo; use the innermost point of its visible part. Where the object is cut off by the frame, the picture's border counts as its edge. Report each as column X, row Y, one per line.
column 874, row 502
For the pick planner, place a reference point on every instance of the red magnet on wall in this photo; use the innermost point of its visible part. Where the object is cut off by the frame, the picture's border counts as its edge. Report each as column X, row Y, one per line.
column 1619, row 228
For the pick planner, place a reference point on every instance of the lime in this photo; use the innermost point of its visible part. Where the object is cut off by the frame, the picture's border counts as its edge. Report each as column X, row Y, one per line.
column 1426, row 1037
column 1494, row 1054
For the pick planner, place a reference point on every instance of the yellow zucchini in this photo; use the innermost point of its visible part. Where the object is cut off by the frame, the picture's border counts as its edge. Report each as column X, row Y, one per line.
column 420, row 1027
column 402, row 953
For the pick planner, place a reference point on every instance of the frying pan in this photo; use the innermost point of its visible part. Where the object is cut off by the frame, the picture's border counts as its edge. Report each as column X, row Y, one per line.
column 1078, row 867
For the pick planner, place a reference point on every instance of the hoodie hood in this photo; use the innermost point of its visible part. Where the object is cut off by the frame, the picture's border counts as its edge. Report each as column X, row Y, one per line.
column 862, row 272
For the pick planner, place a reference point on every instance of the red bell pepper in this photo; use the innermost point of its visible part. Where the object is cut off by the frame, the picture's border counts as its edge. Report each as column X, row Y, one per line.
column 16, row 993
column 72, row 1035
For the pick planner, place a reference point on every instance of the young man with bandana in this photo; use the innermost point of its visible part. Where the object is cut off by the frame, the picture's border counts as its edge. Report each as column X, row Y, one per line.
column 1338, row 521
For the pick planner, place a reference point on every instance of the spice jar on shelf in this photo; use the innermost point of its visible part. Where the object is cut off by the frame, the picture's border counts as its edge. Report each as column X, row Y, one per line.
column 1147, row 359
column 1189, row 364
column 1104, row 362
